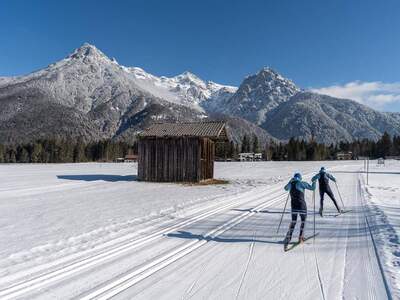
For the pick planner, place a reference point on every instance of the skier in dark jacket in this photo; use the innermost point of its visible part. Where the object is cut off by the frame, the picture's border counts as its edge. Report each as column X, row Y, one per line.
column 296, row 188
column 323, row 178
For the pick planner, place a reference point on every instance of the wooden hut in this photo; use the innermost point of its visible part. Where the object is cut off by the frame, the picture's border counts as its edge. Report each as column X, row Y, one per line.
column 179, row 152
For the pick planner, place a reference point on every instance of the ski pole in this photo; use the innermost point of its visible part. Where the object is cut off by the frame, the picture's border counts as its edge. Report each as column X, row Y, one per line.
column 340, row 196
column 313, row 193
column 284, row 209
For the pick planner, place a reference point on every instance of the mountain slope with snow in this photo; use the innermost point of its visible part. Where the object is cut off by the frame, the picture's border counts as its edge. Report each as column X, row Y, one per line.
column 257, row 95
column 90, row 95
column 87, row 94
column 184, row 89
column 328, row 119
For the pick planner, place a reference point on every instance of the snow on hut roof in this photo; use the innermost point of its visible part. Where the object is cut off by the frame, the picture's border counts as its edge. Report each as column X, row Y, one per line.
column 211, row 129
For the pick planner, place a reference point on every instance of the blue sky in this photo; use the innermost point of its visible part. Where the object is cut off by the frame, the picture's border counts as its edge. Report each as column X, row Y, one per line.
column 341, row 47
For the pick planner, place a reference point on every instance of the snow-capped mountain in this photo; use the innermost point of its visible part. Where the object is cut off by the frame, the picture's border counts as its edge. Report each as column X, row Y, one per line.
column 277, row 105
column 257, row 95
column 184, row 89
column 328, row 119
column 85, row 94
column 90, row 95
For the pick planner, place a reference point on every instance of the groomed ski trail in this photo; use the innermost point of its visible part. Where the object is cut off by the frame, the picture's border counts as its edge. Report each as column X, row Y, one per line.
column 314, row 273
column 225, row 250
column 75, row 267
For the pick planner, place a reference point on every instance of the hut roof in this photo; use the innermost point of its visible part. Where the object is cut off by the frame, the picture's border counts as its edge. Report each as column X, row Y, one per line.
column 211, row 129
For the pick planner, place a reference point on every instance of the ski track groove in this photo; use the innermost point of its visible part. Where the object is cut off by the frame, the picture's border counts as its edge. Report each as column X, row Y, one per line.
column 249, row 258
column 367, row 267
column 340, row 252
column 68, row 270
column 374, row 246
column 306, row 268
column 345, row 256
column 138, row 274
column 321, row 285
column 129, row 236
column 187, row 294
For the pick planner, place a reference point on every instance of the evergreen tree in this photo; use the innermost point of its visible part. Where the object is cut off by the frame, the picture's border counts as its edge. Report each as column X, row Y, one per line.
column 22, row 155
column 2, row 153
column 245, row 144
column 384, row 145
column 36, row 154
column 79, row 151
column 256, row 144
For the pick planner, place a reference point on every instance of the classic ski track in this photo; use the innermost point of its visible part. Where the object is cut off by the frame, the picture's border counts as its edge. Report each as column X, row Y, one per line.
column 321, row 284
column 61, row 268
column 71, row 269
column 318, row 272
column 306, row 268
column 76, row 267
column 374, row 246
column 346, row 253
column 339, row 249
column 187, row 294
column 249, row 258
column 62, row 262
column 138, row 274
column 367, row 266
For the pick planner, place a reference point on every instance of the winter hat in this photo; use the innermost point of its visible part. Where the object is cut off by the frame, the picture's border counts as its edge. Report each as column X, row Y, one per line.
column 297, row 176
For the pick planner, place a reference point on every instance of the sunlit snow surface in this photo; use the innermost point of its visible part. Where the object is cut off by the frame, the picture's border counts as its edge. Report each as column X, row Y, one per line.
column 383, row 197
column 79, row 230
column 185, row 89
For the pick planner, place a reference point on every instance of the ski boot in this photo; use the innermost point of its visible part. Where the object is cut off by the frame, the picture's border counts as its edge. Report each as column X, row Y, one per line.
column 285, row 244
column 301, row 239
column 320, row 212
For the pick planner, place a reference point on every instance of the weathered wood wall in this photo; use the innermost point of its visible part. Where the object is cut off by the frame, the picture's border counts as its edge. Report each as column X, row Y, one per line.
column 180, row 159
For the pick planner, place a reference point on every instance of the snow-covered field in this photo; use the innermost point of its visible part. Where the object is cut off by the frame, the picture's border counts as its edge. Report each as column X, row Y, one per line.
column 93, row 231
column 382, row 195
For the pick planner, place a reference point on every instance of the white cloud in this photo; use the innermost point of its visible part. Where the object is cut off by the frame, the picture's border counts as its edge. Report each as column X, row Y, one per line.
column 375, row 94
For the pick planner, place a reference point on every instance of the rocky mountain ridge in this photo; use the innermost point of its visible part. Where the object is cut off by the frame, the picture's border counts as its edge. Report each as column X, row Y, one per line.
column 87, row 94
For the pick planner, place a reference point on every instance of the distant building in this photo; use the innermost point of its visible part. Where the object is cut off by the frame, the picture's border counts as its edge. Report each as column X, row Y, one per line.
column 250, row 156
column 257, row 156
column 246, row 156
column 344, row 155
column 130, row 158
column 179, row 152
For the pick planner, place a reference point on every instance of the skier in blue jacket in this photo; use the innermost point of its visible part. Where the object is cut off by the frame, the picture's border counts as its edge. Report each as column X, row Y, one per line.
column 323, row 178
column 296, row 188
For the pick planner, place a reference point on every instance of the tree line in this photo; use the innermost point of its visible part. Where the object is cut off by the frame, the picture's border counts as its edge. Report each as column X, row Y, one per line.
column 299, row 149
column 66, row 150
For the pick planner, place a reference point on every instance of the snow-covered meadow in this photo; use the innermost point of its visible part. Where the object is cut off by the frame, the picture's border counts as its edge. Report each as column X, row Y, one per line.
column 382, row 194
column 70, row 230
column 62, row 205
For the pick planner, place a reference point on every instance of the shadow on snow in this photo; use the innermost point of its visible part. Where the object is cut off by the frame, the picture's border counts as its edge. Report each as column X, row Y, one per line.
column 99, row 177
column 190, row 236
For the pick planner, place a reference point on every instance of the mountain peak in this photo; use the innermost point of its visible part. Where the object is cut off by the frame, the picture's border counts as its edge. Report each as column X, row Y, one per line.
column 87, row 51
column 258, row 94
column 267, row 70
column 270, row 74
column 189, row 78
column 188, row 75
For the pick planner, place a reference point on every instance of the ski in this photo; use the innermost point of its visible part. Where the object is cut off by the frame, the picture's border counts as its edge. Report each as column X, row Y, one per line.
column 293, row 245
column 343, row 212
